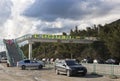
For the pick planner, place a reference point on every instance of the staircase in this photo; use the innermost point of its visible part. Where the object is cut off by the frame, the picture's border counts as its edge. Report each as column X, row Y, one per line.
column 13, row 53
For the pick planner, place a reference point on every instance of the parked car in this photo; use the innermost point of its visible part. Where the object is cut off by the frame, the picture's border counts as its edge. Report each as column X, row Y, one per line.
column 3, row 59
column 112, row 61
column 88, row 60
column 30, row 63
column 69, row 67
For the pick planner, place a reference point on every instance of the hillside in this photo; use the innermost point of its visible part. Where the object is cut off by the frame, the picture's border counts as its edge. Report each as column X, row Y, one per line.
column 107, row 47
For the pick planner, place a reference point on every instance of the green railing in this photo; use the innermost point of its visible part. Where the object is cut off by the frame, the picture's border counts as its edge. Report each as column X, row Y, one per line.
column 9, row 60
column 19, row 51
column 23, row 38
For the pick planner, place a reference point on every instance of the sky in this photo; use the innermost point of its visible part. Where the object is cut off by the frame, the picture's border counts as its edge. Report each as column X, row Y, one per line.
column 20, row 17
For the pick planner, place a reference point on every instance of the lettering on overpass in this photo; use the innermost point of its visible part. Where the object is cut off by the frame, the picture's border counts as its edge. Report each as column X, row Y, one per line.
column 47, row 36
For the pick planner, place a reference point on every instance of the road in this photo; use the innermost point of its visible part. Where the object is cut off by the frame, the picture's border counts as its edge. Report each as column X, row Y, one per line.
column 46, row 74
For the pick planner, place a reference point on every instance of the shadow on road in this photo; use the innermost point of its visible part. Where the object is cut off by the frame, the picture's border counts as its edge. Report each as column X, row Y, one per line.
column 47, row 68
column 88, row 76
column 93, row 76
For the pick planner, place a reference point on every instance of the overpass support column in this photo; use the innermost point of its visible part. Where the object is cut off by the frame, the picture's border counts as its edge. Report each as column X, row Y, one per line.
column 30, row 50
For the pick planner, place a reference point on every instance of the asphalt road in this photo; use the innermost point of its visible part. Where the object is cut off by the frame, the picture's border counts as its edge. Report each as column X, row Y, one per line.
column 46, row 74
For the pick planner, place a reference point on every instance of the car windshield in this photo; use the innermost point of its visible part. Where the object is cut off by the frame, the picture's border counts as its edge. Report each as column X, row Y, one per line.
column 71, row 62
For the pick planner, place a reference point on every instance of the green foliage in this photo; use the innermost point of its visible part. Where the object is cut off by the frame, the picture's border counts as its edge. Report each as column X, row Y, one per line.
column 110, row 33
column 107, row 46
column 25, row 50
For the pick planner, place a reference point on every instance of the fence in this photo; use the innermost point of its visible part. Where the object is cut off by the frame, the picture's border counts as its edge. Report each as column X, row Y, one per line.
column 106, row 69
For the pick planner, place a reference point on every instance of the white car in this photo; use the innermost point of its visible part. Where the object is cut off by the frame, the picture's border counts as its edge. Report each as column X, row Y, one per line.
column 30, row 63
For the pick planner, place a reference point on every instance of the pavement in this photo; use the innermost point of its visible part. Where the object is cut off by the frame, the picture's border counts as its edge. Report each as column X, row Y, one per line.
column 46, row 74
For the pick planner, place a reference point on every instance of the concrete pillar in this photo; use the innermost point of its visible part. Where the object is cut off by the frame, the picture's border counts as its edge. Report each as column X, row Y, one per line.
column 30, row 50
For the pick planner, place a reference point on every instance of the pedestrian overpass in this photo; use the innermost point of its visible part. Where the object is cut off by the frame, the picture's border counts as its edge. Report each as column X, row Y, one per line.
column 31, row 38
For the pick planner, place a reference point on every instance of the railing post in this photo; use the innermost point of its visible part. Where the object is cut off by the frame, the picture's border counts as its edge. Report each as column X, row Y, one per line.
column 94, row 68
column 112, row 69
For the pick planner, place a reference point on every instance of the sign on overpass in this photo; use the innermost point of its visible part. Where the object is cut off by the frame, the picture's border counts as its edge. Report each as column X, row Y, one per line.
column 56, row 38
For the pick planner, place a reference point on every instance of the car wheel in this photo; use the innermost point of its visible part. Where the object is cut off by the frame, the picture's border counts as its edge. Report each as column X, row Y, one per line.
column 40, row 67
column 68, row 73
column 57, row 72
column 23, row 67
column 84, row 73
column 8, row 65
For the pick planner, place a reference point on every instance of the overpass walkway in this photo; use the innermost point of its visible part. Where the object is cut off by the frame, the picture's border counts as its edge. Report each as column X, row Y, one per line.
column 14, row 53
column 55, row 38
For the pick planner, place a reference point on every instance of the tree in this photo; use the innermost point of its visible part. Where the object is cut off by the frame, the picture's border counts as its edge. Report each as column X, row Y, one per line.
column 110, row 33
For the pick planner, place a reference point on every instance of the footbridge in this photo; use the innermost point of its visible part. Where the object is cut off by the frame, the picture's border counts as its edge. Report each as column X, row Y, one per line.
column 53, row 38
column 32, row 38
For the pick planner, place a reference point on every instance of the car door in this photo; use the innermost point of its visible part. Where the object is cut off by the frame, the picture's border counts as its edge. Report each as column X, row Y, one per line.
column 34, row 63
column 63, row 67
column 27, row 63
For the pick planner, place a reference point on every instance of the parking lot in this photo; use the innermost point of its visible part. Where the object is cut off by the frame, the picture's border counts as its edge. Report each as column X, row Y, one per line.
column 46, row 74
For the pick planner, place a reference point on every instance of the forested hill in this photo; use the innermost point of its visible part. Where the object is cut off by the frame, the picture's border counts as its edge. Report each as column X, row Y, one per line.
column 110, row 34
column 107, row 47
column 115, row 22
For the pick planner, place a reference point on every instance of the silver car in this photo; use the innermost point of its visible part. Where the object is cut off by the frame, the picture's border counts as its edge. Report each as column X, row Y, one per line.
column 30, row 63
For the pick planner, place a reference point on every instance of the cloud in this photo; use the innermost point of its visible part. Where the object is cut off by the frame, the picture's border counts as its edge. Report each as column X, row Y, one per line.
column 14, row 24
column 5, row 14
column 5, row 11
column 50, row 10
column 21, row 17
column 56, row 27
column 69, row 13
column 59, row 26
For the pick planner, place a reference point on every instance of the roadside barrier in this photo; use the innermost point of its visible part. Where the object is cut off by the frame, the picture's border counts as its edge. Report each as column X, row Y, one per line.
column 106, row 69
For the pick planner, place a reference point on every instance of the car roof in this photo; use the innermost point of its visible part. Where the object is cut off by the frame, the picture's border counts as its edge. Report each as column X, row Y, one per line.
column 65, row 60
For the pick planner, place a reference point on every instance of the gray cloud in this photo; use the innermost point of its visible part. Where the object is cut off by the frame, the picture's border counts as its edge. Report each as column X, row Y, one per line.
column 5, row 10
column 50, row 10
column 54, row 16
column 71, row 13
column 54, row 30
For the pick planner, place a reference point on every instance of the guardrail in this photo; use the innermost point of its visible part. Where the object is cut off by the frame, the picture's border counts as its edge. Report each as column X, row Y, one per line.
column 106, row 69
column 19, row 50
column 9, row 60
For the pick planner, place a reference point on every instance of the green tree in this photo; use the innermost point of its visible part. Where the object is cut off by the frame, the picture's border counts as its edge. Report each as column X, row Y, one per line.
column 110, row 33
